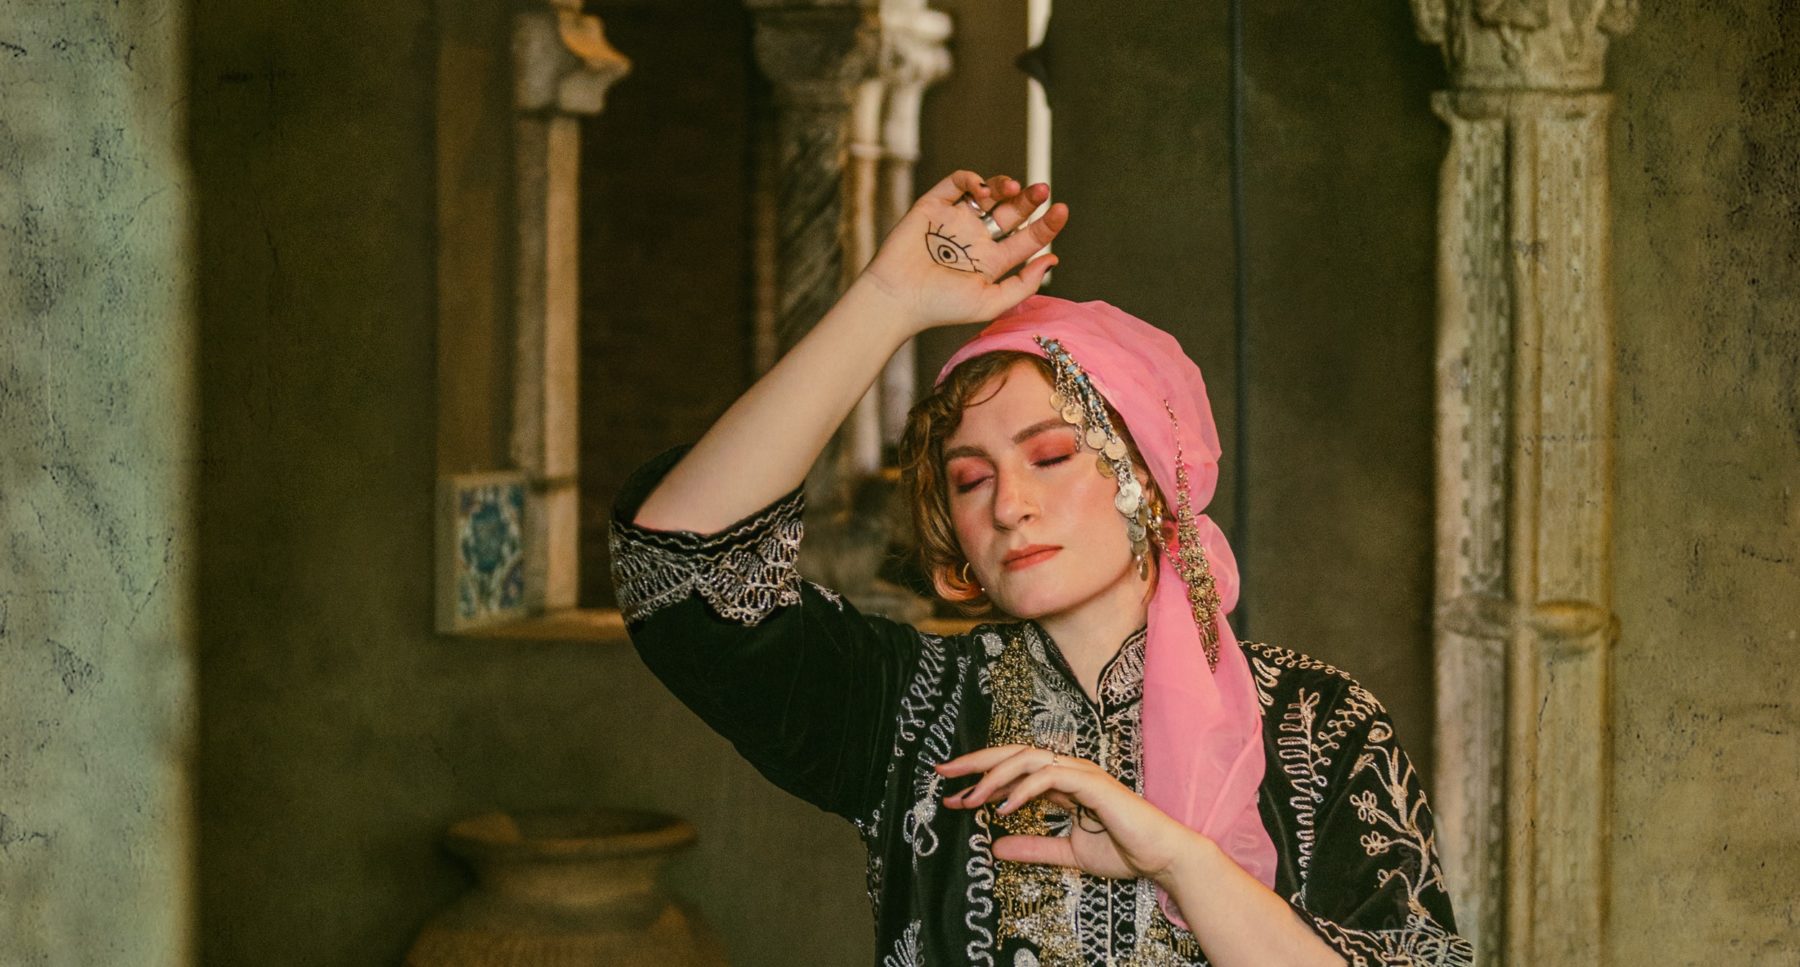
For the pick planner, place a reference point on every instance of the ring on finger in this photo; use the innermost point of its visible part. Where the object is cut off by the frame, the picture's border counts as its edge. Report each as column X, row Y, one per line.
column 994, row 230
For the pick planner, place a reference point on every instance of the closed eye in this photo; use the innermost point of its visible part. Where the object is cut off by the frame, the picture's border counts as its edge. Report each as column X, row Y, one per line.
column 963, row 488
column 1053, row 461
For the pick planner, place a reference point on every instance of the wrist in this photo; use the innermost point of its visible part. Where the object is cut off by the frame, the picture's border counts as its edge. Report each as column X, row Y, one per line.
column 1195, row 864
column 882, row 304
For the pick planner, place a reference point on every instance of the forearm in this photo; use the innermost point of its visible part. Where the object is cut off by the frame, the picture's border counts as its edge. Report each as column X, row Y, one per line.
column 1238, row 921
column 763, row 446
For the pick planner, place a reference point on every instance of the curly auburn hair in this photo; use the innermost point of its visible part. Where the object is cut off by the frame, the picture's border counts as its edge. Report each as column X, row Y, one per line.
column 928, row 425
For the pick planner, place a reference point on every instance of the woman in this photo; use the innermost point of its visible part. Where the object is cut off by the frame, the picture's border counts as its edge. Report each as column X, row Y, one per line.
column 1109, row 778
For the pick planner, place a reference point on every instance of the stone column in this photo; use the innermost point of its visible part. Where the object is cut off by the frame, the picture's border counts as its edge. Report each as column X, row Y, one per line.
column 914, row 55
column 1524, row 625
column 815, row 56
column 884, row 148
column 817, row 225
column 562, row 68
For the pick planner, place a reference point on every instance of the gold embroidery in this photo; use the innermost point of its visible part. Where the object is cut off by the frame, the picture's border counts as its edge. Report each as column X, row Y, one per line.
column 1042, row 905
column 1034, row 900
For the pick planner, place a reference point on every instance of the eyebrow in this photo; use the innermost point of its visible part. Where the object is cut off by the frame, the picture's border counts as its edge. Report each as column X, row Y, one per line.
column 1043, row 426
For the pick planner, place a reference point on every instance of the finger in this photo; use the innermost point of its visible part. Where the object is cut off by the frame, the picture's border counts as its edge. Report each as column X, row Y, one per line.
column 1071, row 780
column 981, row 760
column 966, row 800
column 1021, row 244
column 1016, row 208
column 957, row 184
column 1004, row 773
column 961, row 801
column 1053, row 850
column 1011, row 291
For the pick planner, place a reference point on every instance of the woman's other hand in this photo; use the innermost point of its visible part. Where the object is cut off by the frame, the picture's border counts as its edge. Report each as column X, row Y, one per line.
column 1114, row 832
column 940, row 265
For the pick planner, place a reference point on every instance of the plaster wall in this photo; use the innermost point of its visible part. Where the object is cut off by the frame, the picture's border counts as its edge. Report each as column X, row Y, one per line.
column 1706, row 196
column 96, row 489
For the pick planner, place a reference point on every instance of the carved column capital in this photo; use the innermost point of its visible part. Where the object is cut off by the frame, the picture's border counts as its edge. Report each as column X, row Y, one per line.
column 1524, row 44
column 815, row 54
column 562, row 62
column 914, row 55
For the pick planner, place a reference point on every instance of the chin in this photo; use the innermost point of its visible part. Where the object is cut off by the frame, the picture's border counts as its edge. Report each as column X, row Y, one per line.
column 1030, row 602
column 1041, row 600
column 1047, row 595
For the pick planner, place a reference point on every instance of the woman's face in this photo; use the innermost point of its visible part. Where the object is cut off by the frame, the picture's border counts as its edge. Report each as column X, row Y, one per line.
column 1030, row 508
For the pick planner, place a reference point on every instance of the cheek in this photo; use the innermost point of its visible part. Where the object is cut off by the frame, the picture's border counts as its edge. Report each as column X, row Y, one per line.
column 968, row 522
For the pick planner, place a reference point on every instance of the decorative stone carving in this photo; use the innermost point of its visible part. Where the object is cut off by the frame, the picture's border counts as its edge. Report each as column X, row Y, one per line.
column 1524, row 625
column 563, row 62
column 1524, row 44
column 562, row 67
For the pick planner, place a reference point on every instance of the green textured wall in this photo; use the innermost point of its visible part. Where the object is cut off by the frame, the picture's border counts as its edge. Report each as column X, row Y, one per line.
column 1706, row 201
column 96, row 448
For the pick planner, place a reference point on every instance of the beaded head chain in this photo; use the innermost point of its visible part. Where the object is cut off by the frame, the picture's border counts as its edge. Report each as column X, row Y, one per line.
column 1082, row 406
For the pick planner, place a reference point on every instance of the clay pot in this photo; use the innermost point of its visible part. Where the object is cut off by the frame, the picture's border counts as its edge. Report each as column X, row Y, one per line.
column 556, row 889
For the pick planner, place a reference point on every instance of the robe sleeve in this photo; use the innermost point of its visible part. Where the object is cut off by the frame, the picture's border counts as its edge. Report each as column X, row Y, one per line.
column 1375, row 892
column 801, row 683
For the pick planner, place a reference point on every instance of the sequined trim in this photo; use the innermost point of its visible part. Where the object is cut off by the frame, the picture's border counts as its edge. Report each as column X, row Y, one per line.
column 744, row 574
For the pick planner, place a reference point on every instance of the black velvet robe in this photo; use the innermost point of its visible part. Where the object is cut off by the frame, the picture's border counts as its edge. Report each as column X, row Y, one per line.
column 850, row 711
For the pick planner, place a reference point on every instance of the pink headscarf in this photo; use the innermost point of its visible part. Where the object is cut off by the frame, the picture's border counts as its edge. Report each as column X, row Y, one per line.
column 1203, row 750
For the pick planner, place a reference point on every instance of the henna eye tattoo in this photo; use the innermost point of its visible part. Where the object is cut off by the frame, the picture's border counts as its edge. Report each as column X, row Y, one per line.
column 947, row 251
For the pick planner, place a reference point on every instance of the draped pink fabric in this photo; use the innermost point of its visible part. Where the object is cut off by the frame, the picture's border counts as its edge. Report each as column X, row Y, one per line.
column 1203, row 751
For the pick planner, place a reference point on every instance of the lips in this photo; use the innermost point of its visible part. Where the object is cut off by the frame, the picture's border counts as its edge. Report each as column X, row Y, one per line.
column 1025, row 557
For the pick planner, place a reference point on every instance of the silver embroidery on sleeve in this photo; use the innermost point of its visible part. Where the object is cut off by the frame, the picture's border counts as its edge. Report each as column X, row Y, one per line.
column 744, row 574
column 1421, row 943
column 1393, row 820
column 1306, row 748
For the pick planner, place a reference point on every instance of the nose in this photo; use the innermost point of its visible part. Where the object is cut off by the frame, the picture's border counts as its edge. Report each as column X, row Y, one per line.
column 1016, row 499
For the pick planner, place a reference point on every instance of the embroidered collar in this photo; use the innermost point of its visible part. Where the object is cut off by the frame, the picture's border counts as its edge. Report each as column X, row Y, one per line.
column 1121, row 678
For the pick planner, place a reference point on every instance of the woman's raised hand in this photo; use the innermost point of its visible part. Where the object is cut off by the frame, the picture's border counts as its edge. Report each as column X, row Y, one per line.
column 1115, row 832
column 941, row 265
